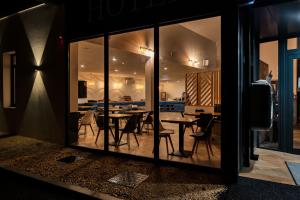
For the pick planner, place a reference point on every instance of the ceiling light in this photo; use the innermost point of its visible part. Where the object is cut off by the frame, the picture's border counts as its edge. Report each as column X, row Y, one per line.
column 123, row 63
column 165, row 68
column 147, row 51
column 114, row 59
column 134, row 73
column 82, row 66
column 194, row 63
column 116, row 70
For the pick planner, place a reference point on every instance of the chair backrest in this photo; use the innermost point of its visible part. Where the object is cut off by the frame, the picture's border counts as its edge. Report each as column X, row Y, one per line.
column 208, row 129
column 149, row 117
column 161, row 128
column 204, row 119
column 131, row 124
column 87, row 118
column 100, row 121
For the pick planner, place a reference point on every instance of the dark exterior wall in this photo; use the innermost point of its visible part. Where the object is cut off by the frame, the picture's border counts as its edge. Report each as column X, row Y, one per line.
column 40, row 95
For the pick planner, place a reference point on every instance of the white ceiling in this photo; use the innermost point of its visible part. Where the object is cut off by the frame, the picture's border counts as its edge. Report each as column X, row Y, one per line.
column 178, row 43
column 209, row 28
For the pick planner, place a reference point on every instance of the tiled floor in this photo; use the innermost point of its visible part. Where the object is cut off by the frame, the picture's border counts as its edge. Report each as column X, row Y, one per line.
column 271, row 167
column 146, row 145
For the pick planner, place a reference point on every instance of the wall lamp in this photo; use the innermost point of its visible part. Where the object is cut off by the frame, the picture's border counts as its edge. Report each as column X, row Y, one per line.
column 37, row 68
column 147, row 51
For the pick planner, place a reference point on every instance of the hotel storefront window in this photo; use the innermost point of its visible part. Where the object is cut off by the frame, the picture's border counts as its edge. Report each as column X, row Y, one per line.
column 87, row 92
column 189, row 92
column 131, row 102
column 190, row 115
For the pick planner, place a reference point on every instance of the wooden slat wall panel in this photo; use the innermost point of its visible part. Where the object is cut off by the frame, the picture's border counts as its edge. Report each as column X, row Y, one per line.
column 203, row 88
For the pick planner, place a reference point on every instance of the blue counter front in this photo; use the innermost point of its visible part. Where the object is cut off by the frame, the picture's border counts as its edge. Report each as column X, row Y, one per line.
column 165, row 106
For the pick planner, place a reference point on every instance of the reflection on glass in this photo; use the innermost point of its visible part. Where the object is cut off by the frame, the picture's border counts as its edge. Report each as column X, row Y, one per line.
column 269, row 66
column 190, row 92
column 87, row 92
column 131, row 92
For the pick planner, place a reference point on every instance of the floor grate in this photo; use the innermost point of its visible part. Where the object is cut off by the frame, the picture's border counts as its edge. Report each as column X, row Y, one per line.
column 129, row 179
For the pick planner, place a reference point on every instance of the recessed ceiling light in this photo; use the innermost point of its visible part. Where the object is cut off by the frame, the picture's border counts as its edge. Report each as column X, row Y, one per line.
column 134, row 73
column 114, row 59
column 123, row 63
column 82, row 66
column 165, row 68
column 116, row 70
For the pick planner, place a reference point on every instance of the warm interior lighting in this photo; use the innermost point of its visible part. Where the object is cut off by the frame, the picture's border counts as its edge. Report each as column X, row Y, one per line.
column 205, row 62
column 114, row 59
column 139, row 87
column 117, row 86
column 82, row 66
column 194, row 63
column 147, row 51
column 134, row 73
column 116, row 70
column 165, row 68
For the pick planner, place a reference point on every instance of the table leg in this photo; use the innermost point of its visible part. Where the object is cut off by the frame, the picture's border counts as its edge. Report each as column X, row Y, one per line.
column 181, row 152
column 115, row 143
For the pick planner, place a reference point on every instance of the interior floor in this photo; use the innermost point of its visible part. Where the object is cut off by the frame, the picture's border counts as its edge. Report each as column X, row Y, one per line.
column 146, row 144
column 296, row 138
column 271, row 166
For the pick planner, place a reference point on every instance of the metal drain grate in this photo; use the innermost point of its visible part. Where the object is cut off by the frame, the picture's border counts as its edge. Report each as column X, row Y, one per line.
column 70, row 159
column 129, row 179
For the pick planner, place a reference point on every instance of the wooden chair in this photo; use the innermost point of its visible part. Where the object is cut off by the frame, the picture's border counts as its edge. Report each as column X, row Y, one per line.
column 188, row 125
column 204, row 135
column 100, row 124
column 87, row 120
column 130, row 127
column 148, row 121
column 165, row 133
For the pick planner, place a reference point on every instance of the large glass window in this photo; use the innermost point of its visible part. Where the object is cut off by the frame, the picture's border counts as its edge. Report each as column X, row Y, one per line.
column 87, row 93
column 131, row 92
column 190, row 95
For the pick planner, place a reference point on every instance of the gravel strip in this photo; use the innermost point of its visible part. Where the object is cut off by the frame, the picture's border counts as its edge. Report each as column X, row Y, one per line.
column 40, row 158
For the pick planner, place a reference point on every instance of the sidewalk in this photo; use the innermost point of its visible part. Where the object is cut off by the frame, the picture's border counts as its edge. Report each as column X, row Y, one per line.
column 39, row 159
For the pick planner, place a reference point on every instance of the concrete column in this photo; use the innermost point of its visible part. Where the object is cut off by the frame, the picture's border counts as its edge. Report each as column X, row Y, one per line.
column 74, row 77
column 149, row 84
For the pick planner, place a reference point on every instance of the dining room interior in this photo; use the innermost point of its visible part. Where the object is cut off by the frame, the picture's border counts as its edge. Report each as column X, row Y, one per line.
column 189, row 92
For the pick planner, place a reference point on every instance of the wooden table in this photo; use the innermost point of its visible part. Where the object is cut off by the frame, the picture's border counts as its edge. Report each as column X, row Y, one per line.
column 139, row 113
column 196, row 114
column 116, row 118
column 181, row 121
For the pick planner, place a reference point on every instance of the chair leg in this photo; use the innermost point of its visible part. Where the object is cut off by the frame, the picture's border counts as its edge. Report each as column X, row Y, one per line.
column 112, row 133
column 197, row 146
column 136, row 139
column 152, row 126
column 120, row 138
column 167, row 145
column 209, row 144
column 207, row 149
column 92, row 130
column 195, row 142
column 171, row 142
column 192, row 128
column 97, row 136
column 128, row 139
column 79, row 128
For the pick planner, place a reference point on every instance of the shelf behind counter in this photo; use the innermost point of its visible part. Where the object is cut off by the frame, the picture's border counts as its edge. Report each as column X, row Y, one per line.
column 165, row 106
